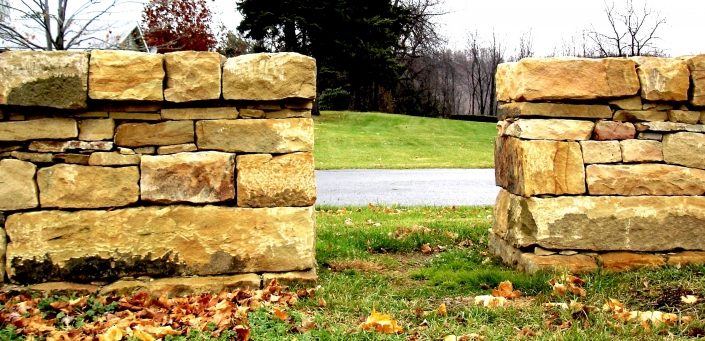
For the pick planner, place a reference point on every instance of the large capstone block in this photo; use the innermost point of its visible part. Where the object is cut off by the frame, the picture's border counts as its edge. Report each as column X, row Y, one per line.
column 269, row 76
column 264, row 180
column 192, row 76
column 44, row 128
column 17, row 187
column 126, row 75
column 256, row 136
column 663, row 79
column 95, row 245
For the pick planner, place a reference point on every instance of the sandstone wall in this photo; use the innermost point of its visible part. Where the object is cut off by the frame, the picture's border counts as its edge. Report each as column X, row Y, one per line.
column 600, row 163
column 118, row 168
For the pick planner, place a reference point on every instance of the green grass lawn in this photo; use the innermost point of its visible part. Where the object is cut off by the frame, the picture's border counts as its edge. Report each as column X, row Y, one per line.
column 375, row 140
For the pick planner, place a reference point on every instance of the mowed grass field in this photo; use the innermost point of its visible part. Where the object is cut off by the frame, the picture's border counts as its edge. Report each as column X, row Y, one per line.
column 376, row 141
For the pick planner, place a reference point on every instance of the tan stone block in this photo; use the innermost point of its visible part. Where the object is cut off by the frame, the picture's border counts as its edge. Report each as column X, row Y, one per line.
column 62, row 146
column 9, row 147
column 217, row 113
column 669, row 127
column 527, row 109
column 601, row 152
column 157, row 134
column 145, row 150
column 266, row 106
column 17, row 187
column 48, row 79
column 612, row 130
column 644, row 179
column 44, row 128
column 203, row 177
column 251, row 113
column 179, row 286
column 78, row 159
column 62, row 288
column 625, row 261
column 136, row 116
column 178, row 148
column 696, row 65
column 627, row 103
column 269, row 76
column 686, row 258
column 641, row 151
column 650, row 136
column 663, row 79
column 113, row 159
column 33, row 157
column 551, row 129
column 302, row 278
column 539, row 79
column 539, row 167
column 298, row 104
column 689, row 117
column 125, row 75
column 685, row 149
column 287, row 113
column 138, row 107
column 640, row 115
column 96, row 130
column 256, row 136
column 656, row 106
column 93, row 114
column 286, row 180
column 74, row 186
column 158, row 241
column 192, row 75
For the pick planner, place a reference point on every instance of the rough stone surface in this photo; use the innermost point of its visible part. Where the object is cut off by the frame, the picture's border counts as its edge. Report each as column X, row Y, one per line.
column 73, row 158
column 644, row 179
column 33, row 157
column 74, row 186
column 217, row 113
column 157, row 134
column 177, row 148
column 308, row 278
column 96, row 130
column 192, row 75
column 47, row 79
column 663, row 79
column 287, row 113
column 113, row 159
column 669, row 127
column 135, row 116
column 687, row 258
column 62, row 288
column 640, row 115
column 539, row 167
column 266, row 76
column 625, row 261
column 145, row 150
column 685, row 149
column 521, row 109
column 179, row 286
column 611, row 130
column 17, row 188
column 592, row 223
column 256, row 136
column 696, row 65
column 641, row 151
column 158, row 242
column 683, row 116
column 551, row 129
column 251, row 113
column 656, row 106
column 203, row 177
column 126, row 75
column 628, row 103
column 286, row 180
column 534, row 79
column 62, row 146
column 650, row 136
column 601, row 152
column 43, row 128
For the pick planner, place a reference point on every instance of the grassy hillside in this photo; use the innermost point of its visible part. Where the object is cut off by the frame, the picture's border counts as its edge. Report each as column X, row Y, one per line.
column 375, row 140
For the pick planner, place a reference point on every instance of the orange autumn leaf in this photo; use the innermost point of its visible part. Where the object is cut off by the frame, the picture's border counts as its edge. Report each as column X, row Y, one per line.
column 506, row 290
column 381, row 323
column 442, row 310
column 280, row 314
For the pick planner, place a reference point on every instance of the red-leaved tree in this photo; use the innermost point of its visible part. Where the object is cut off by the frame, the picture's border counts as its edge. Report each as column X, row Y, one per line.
column 177, row 25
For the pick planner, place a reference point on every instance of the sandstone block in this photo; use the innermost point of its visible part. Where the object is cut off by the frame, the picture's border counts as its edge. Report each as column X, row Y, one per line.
column 62, row 288
column 627, row 103
column 696, row 65
column 684, row 149
column 611, row 130
column 113, row 159
column 642, row 223
column 663, row 79
column 62, row 146
column 625, row 261
column 256, row 136
column 644, row 179
column 74, row 186
column 157, row 134
column 308, row 278
column 179, row 286
column 269, row 76
column 641, row 151
column 601, row 152
column 251, row 113
column 539, row 167
column 145, row 150
column 177, row 148
column 192, row 75
column 126, row 75
column 43, row 128
column 551, row 129
column 656, row 106
column 96, row 130
column 533, row 79
column 33, row 157
column 219, row 113
column 135, row 116
column 689, row 117
column 203, row 177
column 93, row 114
column 17, row 187
column 686, row 258
column 158, row 241
column 287, row 113
column 650, row 136
column 640, row 115
column 73, row 158
column 669, row 127
column 522, row 109
column 47, row 79
column 286, row 180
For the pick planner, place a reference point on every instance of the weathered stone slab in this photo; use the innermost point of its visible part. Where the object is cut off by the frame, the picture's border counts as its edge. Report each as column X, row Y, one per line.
column 47, row 79
column 96, row 130
column 113, row 159
column 663, row 79
column 641, row 151
column 203, row 177
column 43, row 128
column 551, row 129
column 626, row 261
column 647, row 135
column 192, row 75
column 696, row 65
column 686, row 258
column 669, row 127
column 126, row 75
column 136, row 116
column 644, row 179
column 269, row 76
column 251, row 113
column 308, row 278
column 656, row 106
column 287, row 113
column 157, row 134
column 177, row 148
column 17, row 187
column 539, row 167
column 683, row 116
column 178, row 286
column 158, row 241
column 286, row 180
column 601, row 152
column 627, row 103
column 612, row 130
column 538, row 79
column 33, row 157
column 218, row 113
column 651, row 223
column 73, row 158
column 256, row 136
column 685, row 149
column 62, row 146
column 74, row 186
column 640, row 115
column 523, row 109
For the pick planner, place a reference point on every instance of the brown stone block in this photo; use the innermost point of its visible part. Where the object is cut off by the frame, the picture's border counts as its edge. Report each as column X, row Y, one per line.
column 524, row 109
column 287, row 113
column 286, row 180
column 684, row 116
column 601, row 151
column 625, row 261
column 96, row 130
column 256, row 136
column 640, row 115
column 641, row 151
column 179, row 286
column 551, row 129
column 644, row 179
column 217, row 113
column 17, row 187
column 611, row 130
column 627, row 103
column 157, row 134
column 192, row 75
column 44, row 128
column 33, row 157
column 125, row 75
column 177, row 148
column 269, row 77
column 305, row 278
column 686, row 258
column 685, row 149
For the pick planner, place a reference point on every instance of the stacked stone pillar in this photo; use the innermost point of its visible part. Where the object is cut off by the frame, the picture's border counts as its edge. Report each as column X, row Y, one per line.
column 129, row 170
column 600, row 163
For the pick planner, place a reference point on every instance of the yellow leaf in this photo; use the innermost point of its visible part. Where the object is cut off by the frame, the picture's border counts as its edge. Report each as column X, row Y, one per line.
column 442, row 310
column 490, row 301
column 689, row 299
column 112, row 334
column 142, row 336
column 382, row 323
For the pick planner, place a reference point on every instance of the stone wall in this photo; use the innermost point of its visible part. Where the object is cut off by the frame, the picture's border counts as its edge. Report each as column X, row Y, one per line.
column 128, row 169
column 600, row 163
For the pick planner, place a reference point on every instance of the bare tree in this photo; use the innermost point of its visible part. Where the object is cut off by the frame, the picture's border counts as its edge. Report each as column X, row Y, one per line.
column 37, row 25
column 525, row 48
column 632, row 32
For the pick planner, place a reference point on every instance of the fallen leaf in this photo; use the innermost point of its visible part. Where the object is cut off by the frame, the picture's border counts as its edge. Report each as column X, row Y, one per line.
column 560, row 305
column 381, row 323
column 280, row 314
column 322, row 303
column 142, row 336
column 426, row 249
column 689, row 299
column 506, row 290
column 490, row 301
column 442, row 310
column 348, row 222
column 527, row 332
column 112, row 334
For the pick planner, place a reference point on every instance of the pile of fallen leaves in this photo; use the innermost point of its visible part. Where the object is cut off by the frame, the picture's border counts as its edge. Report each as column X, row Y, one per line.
column 142, row 316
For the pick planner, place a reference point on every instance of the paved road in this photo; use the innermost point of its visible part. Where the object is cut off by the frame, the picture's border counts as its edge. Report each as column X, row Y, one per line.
column 432, row 187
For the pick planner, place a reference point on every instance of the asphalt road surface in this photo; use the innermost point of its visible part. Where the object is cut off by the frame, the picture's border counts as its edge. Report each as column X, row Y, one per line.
column 408, row 187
